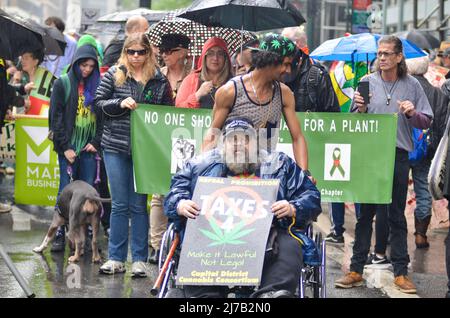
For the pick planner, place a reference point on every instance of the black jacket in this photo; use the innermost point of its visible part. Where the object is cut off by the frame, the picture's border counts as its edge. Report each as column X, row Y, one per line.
column 312, row 86
column 63, row 116
column 439, row 104
column 116, row 129
column 112, row 52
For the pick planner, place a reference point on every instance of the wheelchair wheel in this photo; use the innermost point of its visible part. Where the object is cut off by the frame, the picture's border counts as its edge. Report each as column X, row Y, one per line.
column 165, row 245
column 319, row 286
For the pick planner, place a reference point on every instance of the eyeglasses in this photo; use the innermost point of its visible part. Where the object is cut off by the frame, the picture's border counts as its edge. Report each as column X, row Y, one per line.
column 138, row 52
column 218, row 54
column 387, row 54
column 170, row 51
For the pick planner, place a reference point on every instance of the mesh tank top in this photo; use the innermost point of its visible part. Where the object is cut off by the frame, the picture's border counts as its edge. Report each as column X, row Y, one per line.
column 266, row 115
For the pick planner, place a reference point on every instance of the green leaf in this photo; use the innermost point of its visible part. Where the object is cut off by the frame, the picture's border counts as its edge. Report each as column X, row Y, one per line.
column 291, row 46
column 241, row 234
column 216, row 228
column 236, row 242
column 276, row 44
column 210, row 235
column 237, row 228
column 263, row 45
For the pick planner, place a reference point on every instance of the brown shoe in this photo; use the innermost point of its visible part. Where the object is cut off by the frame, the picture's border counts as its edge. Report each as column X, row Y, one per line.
column 352, row 279
column 421, row 241
column 405, row 285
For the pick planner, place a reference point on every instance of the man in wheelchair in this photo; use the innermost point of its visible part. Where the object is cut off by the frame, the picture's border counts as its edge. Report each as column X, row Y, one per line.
column 298, row 203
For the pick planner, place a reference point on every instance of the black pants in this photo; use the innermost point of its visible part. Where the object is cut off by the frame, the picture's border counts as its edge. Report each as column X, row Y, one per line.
column 381, row 228
column 281, row 272
column 396, row 220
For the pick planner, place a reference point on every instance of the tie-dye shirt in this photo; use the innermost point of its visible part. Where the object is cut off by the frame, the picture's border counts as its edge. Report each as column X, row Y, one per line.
column 85, row 124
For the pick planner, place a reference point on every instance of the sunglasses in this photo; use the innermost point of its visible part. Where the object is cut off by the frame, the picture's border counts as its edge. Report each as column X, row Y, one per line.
column 138, row 52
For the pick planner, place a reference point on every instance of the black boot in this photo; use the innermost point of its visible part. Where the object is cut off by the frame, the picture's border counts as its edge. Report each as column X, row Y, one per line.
column 60, row 240
column 154, row 256
column 421, row 231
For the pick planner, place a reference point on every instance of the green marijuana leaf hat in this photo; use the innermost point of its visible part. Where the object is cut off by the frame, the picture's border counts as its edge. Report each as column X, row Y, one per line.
column 276, row 43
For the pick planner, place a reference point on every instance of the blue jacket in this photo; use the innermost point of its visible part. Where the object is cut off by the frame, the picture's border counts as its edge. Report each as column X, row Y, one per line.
column 295, row 186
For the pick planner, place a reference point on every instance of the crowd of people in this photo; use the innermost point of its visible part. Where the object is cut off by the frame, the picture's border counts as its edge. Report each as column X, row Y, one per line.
column 90, row 94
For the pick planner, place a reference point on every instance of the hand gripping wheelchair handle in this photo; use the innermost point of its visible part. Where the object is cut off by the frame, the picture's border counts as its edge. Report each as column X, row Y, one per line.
column 155, row 289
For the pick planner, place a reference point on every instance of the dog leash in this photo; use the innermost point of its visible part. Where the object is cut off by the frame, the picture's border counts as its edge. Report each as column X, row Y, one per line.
column 70, row 172
column 98, row 159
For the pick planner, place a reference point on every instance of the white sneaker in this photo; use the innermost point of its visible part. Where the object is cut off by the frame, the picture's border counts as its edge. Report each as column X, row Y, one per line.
column 5, row 208
column 112, row 267
column 139, row 269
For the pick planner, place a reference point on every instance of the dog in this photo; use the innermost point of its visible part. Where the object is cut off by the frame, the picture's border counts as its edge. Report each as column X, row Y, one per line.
column 78, row 205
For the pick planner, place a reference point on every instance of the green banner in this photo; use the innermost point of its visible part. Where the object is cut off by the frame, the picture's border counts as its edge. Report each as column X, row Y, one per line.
column 350, row 155
column 37, row 171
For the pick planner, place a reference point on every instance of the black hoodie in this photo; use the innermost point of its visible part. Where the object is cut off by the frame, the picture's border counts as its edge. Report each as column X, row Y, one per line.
column 63, row 116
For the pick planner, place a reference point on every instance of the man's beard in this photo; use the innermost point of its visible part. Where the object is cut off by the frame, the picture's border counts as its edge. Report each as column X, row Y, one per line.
column 241, row 168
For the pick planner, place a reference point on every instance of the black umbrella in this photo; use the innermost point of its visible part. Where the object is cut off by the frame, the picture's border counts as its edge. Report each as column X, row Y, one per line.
column 199, row 34
column 251, row 15
column 54, row 41
column 421, row 38
column 19, row 35
column 16, row 38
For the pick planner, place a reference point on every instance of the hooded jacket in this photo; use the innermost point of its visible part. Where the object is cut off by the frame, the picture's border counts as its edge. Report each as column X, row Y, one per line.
column 186, row 93
column 295, row 186
column 62, row 115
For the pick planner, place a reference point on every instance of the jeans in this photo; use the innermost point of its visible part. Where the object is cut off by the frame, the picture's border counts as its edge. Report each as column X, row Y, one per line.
column 84, row 168
column 338, row 217
column 125, row 203
column 396, row 220
column 381, row 228
column 423, row 197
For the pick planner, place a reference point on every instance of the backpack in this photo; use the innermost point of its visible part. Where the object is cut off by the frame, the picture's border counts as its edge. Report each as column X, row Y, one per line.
column 420, row 143
column 315, row 73
column 66, row 84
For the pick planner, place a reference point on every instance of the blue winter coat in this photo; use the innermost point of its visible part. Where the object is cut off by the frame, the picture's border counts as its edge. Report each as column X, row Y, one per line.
column 295, row 186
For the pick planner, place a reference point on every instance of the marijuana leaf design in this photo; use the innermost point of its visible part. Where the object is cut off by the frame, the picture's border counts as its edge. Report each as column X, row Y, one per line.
column 149, row 95
column 263, row 45
column 291, row 46
column 275, row 44
column 220, row 237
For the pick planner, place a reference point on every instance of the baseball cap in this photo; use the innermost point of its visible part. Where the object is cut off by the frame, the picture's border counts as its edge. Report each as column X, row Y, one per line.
column 173, row 41
column 241, row 124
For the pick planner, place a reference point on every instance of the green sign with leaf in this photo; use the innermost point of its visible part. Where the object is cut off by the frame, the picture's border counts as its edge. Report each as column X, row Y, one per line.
column 226, row 243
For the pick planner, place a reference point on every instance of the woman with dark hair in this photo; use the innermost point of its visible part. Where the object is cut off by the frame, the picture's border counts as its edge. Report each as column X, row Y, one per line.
column 198, row 89
column 135, row 79
column 75, row 123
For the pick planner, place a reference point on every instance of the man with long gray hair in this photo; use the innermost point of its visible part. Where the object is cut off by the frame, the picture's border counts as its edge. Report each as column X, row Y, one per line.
column 393, row 91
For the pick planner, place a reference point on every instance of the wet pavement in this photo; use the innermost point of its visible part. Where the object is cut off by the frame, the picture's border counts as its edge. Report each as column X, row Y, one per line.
column 50, row 276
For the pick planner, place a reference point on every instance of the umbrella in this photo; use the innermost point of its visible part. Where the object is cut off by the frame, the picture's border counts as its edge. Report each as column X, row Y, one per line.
column 251, row 15
column 199, row 34
column 358, row 48
column 19, row 35
column 15, row 38
column 421, row 38
column 122, row 16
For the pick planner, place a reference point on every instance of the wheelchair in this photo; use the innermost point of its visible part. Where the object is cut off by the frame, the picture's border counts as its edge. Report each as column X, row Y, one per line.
column 312, row 282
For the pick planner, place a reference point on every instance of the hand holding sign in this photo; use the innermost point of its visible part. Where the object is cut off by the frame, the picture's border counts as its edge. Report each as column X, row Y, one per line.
column 283, row 209
column 29, row 87
column 188, row 208
column 407, row 108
